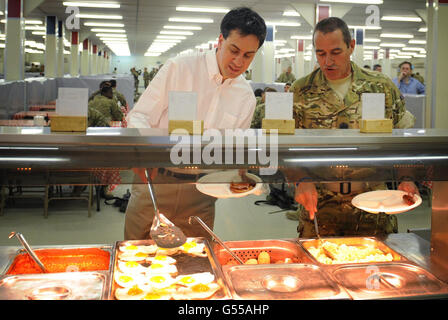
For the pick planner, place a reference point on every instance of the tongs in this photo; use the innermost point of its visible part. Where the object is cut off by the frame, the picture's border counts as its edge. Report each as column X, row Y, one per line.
column 164, row 233
column 28, row 249
column 215, row 236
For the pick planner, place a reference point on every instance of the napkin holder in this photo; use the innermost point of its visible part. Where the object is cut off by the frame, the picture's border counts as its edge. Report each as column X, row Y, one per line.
column 283, row 126
column 376, row 126
column 60, row 123
column 193, row 127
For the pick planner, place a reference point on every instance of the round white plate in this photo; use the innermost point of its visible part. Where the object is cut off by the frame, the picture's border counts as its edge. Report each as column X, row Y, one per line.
column 387, row 201
column 217, row 184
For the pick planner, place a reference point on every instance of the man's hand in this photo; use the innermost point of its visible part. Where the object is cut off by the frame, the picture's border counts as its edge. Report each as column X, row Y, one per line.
column 401, row 76
column 409, row 187
column 141, row 173
column 306, row 195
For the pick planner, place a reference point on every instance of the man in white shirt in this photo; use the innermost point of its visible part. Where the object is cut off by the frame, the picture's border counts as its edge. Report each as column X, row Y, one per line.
column 225, row 101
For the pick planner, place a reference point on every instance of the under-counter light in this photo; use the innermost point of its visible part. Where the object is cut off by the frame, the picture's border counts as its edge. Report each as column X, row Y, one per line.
column 355, row 1
column 108, row 5
column 324, row 149
column 29, row 148
column 33, row 159
column 193, row 20
column 368, row 159
column 203, row 9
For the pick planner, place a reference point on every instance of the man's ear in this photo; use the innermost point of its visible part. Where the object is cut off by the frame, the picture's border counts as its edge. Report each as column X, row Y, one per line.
column 220, row 40
column 352, row 45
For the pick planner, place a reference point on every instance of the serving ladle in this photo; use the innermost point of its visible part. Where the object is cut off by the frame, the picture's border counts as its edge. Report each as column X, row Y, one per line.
column 164, row 233
column 28, row 249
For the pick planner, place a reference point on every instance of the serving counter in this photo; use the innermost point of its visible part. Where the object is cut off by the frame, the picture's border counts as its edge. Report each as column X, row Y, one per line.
column 37, row 157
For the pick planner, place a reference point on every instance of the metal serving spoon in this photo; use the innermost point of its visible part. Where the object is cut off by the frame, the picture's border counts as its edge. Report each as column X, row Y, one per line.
column 164, row 233
column 215, row 236
column 28, row 249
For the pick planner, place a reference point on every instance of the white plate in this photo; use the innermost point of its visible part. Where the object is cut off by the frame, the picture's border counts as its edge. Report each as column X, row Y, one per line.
column 387, row 201
column 217, row 184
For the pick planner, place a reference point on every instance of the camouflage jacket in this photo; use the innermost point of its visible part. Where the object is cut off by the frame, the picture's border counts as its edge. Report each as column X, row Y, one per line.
column 146, row 76
column 316, row 105
column 258, row 116
column 119, row 97
column 97, row 119
column 285, row 78
column 107, row 107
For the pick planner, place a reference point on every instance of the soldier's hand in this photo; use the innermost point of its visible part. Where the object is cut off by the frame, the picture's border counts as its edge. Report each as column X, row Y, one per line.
column 306, row 195
column 142, row 175
column 409, row 187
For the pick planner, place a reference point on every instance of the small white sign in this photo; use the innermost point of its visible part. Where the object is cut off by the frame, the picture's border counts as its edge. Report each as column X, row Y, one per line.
column 72, row 102
column 278, row 105
column 182, row 105
column 373, row 106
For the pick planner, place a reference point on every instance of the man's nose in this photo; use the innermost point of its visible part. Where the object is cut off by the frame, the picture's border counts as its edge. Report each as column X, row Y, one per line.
column 238, row 60
column 329, row 60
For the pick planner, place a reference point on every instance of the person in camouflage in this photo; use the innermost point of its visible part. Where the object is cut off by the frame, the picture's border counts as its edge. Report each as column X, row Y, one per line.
column 136, row 74
column 106, row 105
column 98, row 92
column 118, row 96
column 260, row 109
column 286, row 76
column 330, row 98
column 146, row 77
column 96, row 119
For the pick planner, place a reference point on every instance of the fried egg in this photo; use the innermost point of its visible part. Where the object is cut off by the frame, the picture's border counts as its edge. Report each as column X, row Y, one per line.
column 131, row 267
column 194, row 248
column 136, row 292
column 198, row 291
column 157, row 295
column 151, row 249
column 167, row 251
column 160, row 281
column 127, row 280
column 160, row 268
column 195, row 278
column 133, row 256
column 162, row 259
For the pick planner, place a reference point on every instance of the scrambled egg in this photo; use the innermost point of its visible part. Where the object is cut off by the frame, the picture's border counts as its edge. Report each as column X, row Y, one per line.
column 332, row 253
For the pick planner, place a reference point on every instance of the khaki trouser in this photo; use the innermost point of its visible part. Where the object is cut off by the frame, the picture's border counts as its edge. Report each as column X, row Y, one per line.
column 177, row 200
column 336, row 216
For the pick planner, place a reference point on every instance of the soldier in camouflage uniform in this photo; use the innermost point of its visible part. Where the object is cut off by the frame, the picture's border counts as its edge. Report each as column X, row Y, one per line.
column 98, row 92
column 136, row 74
column 318, row 105
column 106, row 105
column 146, row 77
column 118, row 96
column 286, row 76
column 260, row 109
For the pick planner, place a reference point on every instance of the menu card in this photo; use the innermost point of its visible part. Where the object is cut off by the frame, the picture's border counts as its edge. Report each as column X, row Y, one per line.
column 373, row 106
column 72, row 102
column 278, row 105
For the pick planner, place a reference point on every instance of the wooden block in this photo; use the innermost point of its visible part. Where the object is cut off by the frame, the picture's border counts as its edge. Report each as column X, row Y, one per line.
column 68, row 123
column 282, row 125
column 191, row 126
column 376, row 126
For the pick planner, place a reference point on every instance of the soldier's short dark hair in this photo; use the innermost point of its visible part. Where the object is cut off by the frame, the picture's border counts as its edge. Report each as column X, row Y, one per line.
column 269, row 89
column 106, row 89
column 113, row 83
column 332, row 24
column 246, row 22
column 103, row 83
column 376, row 66
column 258, row 92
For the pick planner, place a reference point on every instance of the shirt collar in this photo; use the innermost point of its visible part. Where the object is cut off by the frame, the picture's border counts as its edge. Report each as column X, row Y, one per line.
column 213, row 70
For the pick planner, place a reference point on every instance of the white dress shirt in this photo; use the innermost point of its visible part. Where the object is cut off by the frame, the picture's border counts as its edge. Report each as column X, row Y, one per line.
column 222, row 105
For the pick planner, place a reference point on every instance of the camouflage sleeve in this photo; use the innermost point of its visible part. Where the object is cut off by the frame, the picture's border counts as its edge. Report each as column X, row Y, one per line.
column 296, row 89
column 122, row 99
column 258, row 116
column 96, row 119
column 115, row 111
column 395, row 107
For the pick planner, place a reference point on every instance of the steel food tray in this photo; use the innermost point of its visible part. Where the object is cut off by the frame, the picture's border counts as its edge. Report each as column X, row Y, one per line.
column 55, row 286
column 186, row 265
column 389, row 281
column 278, row 250
column 351, row 241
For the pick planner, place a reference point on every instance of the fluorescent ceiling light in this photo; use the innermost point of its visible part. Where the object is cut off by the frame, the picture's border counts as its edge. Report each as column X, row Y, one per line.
column 397, row 35
column 302, row 37
column 26, row 21
column 179, row 33
column 167, row 41
column 103, row 24
column 283, row 24
column 364, row 27
column 392, row 45
column 172, row 37
column 355, row 1
column 403, row 57
column 417, row 41
column 91, row 4
column 193, row 20
column 36, row 28
column 183, row 27
column 372, row 40
column 112, row 39
column 419, row 55
column 98, row 16
column 291, row 13
column 111, row 35
column 153, row 54
column 371, row 48
column 401, row 18
column 39, row 33
column 108, row 30
column 412, row 49
column 423, row 29
column 203, row 9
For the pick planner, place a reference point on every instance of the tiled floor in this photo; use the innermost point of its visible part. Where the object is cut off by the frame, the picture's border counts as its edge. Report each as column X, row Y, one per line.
column 236, row 219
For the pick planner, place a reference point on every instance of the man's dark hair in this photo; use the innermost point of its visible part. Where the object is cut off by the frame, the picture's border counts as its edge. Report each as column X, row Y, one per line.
column 246, row 22
column 258, row 92
column 366, row 66
column 106, row 90
column 288, row 84
column 113, row 83
column 405, row 62
column 269, row 89
column 103, row 83
column 332, row 24
column 376, row 66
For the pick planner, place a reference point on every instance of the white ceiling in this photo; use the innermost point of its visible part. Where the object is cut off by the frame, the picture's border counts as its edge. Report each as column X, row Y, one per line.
column 144, row 19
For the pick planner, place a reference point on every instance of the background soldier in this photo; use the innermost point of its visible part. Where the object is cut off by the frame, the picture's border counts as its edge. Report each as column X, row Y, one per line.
column 146, row 77
column 136, row 74
column 286, row 76
column 118, row 97
column 106, row 105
